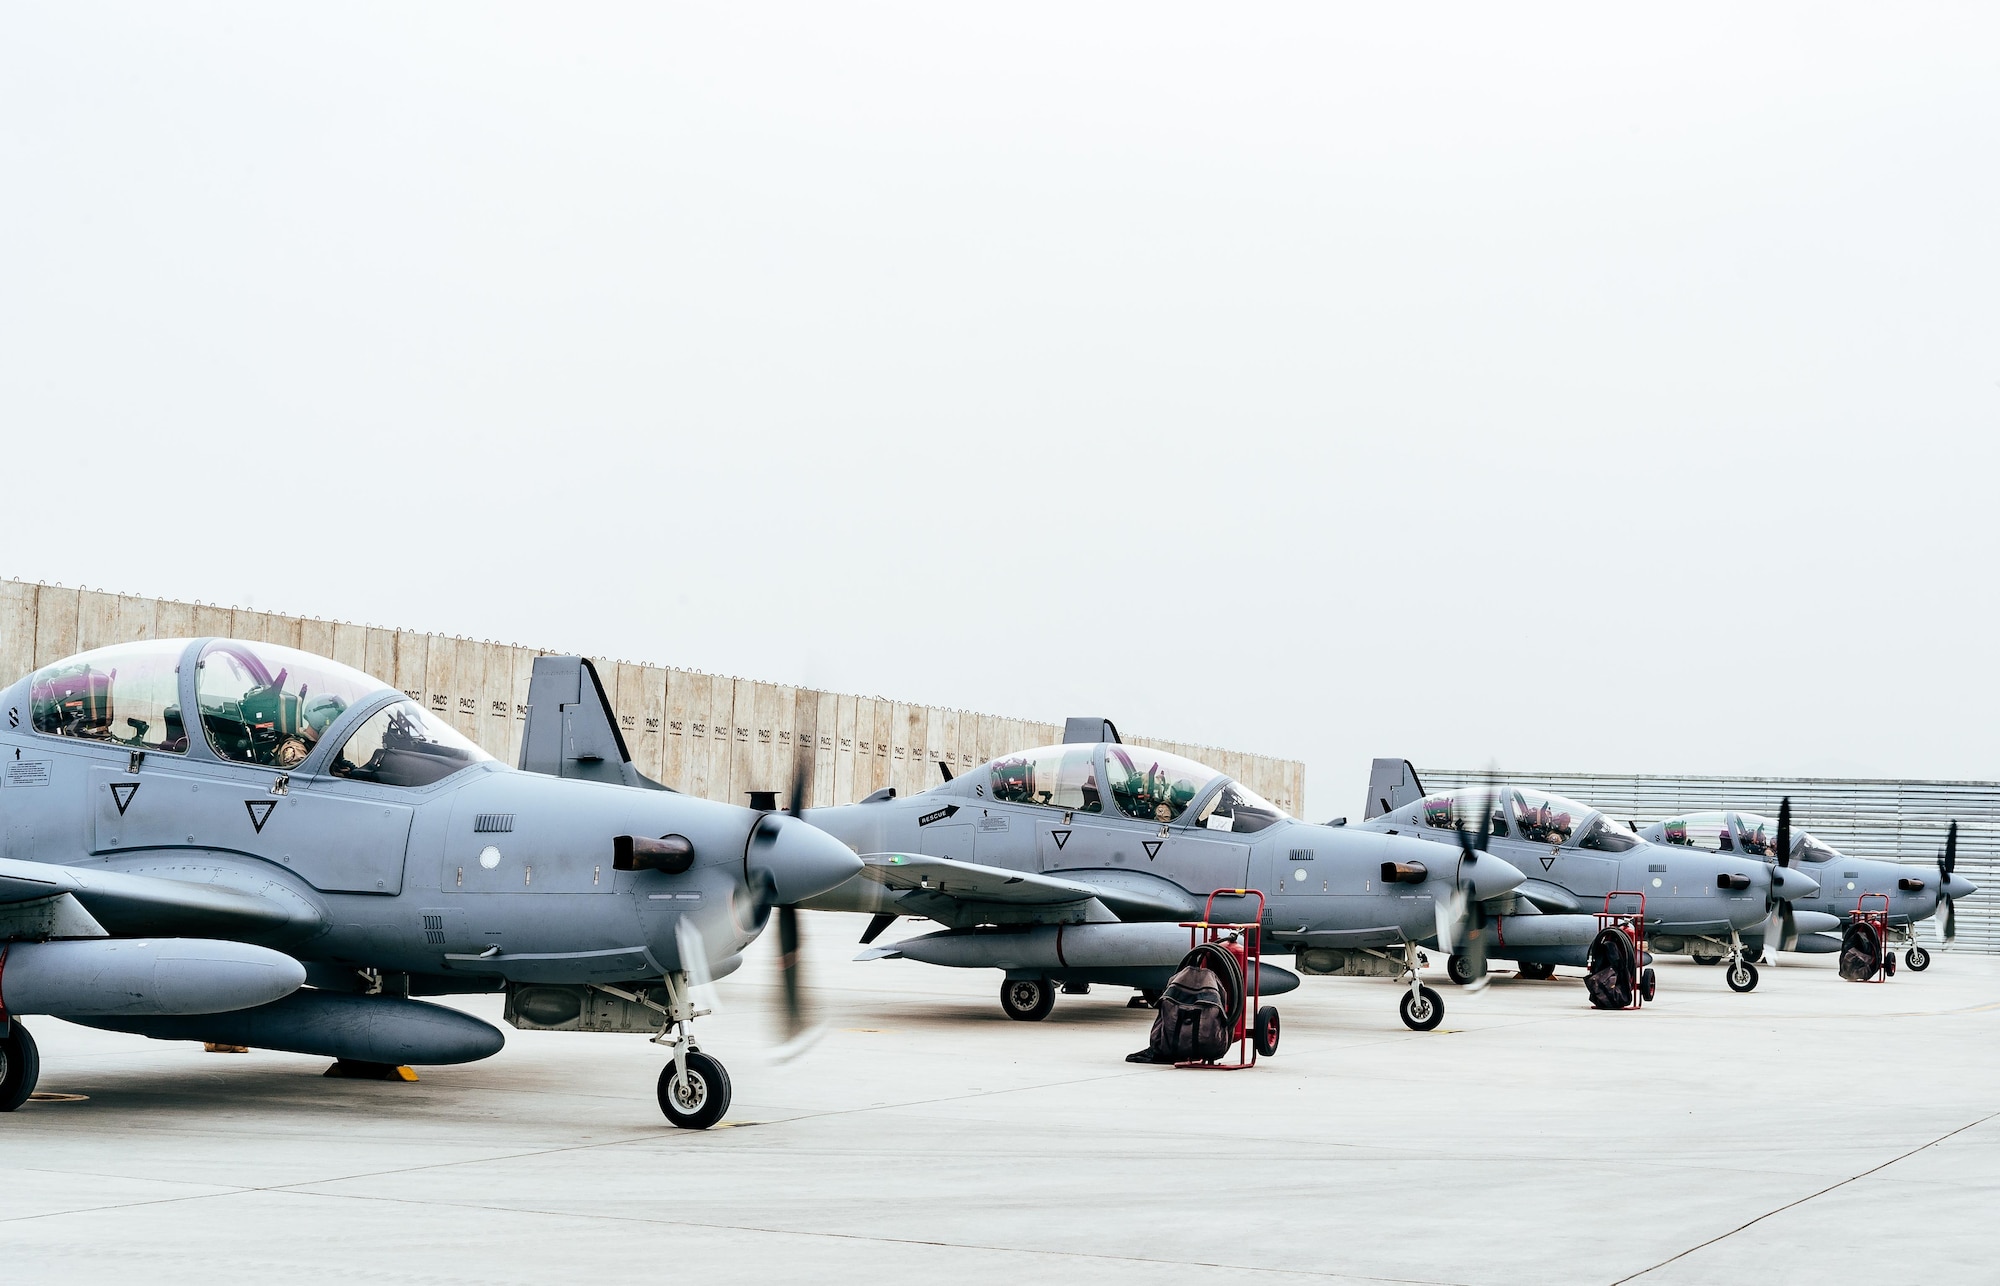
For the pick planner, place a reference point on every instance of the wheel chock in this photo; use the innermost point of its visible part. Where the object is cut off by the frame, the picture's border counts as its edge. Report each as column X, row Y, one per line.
column 355, row 1070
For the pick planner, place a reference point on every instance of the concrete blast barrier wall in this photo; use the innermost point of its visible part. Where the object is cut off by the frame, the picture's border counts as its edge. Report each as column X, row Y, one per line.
column 705, row 734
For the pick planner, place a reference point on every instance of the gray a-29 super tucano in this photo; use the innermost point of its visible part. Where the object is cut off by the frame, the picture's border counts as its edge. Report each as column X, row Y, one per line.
column 1902, row 894
column 242, row 843
column 1076, row 863
column 1581, row 862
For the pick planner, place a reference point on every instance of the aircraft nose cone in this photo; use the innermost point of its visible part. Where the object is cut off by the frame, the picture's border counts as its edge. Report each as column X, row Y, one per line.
column 1790, row 883
column 802, row 859
column 1957, row 886
column 1491, row 876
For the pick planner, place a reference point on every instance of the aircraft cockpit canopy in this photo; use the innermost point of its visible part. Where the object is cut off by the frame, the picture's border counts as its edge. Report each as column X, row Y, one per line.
column 1460, row 810
column 1153, row 785
column 127, row 694
column 268, row 705
column 1062, row 777
column 400, row 745
column 1751, row 835
column 259, row 703
column 1150, row 785
column 1757, row 835
column 1531, row 815
column 1708, row 831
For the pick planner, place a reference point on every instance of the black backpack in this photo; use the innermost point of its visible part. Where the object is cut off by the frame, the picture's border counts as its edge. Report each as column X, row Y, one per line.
column 1193, row 1023
column 1860, row 952
column 1611, row 966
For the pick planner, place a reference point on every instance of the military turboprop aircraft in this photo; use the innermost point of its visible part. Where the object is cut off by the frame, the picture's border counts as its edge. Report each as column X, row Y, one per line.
column 1575, row 858
column 1072, row 864
column 1907, row 893
column 196, row 828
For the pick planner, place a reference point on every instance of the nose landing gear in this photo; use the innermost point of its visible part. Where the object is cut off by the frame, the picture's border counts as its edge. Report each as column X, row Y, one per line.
column 1421, row 1009
column 1742, row 975
column 694, row 1088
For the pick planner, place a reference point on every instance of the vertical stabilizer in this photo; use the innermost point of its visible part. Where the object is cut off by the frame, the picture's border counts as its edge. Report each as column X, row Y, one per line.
column 1088, row 729
column 1391, row 784
column 571, row 729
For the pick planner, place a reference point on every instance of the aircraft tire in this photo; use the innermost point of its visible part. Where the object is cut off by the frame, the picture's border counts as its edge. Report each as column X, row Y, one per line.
column 1266, row 1032
column 1537, row 971
column 1423, row 1011
column 1742, row 976
column 1706, row 960
column 1456, row 969
column 20, row 1066
column 706, row 1098
column 1646, row 985
column 1917, row 959
column 1027, row 1000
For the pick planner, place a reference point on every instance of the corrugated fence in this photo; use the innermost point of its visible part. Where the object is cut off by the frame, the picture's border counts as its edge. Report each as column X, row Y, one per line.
column 705, row 734
column 1898, row 820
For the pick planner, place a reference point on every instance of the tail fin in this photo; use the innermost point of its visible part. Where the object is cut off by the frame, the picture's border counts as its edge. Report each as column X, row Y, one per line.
column 1391, row 784
column 571, row 730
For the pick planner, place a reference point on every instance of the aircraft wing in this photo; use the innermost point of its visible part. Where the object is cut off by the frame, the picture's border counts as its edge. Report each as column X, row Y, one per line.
column 149, row 904
column 915, row 872
column 963, row 894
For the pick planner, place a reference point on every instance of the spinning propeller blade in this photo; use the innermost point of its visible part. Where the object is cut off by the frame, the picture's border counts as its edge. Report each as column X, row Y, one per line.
column 1947, row 864
column 800, row 1031
column 1780, row 931
column 1467, row 916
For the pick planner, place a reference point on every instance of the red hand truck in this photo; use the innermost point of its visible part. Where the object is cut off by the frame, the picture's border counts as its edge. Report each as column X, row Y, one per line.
column 1246, row 943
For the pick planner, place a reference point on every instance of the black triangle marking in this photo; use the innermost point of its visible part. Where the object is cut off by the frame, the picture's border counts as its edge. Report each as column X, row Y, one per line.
column 1152, row 847
column 260, row 811
column 122, row 792
column 1062, row 838
column 1548, row 860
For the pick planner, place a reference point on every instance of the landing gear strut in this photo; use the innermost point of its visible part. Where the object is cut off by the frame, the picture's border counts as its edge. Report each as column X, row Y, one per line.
column 1742, row 975
column 693, row 1088
column 20, row 1066
column 1421, row 1009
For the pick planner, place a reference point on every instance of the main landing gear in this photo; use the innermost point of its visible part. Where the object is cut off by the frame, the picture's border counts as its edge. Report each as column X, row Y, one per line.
column 694, row 1087
column 1027, row 1000
column 1421, row 1009
column 20, row 1066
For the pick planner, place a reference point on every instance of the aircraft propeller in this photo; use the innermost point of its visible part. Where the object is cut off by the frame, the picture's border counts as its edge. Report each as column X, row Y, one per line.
column 1947, row 864
column 799, row 1030
column 1781, row 931
column 1464, row 921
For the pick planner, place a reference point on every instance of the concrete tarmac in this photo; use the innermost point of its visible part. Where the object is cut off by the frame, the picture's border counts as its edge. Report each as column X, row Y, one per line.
column 1812, row 1130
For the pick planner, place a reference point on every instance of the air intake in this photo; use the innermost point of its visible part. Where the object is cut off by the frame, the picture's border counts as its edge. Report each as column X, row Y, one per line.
column 493, row 822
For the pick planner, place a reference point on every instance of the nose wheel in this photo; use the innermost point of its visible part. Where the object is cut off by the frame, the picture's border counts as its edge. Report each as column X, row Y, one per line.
column 694, row 1092
column 693, row 1089
column 1421, row 1009
column 1917, row 959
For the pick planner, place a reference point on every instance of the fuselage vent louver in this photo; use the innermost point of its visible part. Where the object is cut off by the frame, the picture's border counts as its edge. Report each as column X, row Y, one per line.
column 493, row 822
column 434, row 930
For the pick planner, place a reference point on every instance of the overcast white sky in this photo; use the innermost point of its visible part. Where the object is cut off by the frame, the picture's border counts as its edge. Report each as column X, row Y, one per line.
column 1557, row 387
